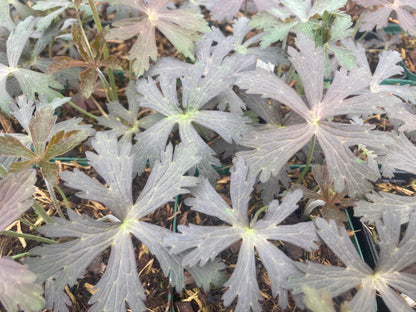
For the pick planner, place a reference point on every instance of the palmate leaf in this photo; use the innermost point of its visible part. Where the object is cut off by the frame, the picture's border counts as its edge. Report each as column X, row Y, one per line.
column 180, row 26
column 202, row 243
column 17, row 287
column 197, row 90
column 273, row 148
column 394, row 256
column 62, row 264
column 41, row 129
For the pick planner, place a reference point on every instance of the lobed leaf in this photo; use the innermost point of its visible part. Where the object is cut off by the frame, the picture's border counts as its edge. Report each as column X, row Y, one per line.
column 15, row 196
column 18, row 289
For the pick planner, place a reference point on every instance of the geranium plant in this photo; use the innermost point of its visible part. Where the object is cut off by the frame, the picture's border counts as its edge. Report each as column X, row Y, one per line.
column 114, row 206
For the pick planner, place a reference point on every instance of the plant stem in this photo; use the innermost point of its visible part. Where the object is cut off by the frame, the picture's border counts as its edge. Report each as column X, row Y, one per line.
column 41, row 212
column 105, row 84
column 82, row 110
column 290, row 73
column 113, row 89
column 279, row 68
column 20, row 255
column 84, row 35
column 308, row 161
column 54, row 199
column 131, row 70
column 258, row 212
column 28, row 223
column 357, row 25
column 29, row 236
column 68, row 206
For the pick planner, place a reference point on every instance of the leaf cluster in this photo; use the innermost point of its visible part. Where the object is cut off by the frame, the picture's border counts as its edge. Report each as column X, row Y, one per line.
column 254, row 100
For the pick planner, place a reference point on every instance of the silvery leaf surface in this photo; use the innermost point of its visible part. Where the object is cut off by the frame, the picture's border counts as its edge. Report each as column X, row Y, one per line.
column 166, row 180
column 379, row 17
column 225, row 10
column 121, row 121
column 151, row 142
column 201, row 243
column 122, row 268
column 343, row 166
column 70, row 125
column 273, row 148
column 30, row 82
column 115, row 164
column 197, row 90
column 63, row 264
column 17, row 40
column 67, row 262
column 312, row 73
column 231, row 126
column 165, row 103
column 179, row 26
column 18, row 289
column 269, row 86
column 15, row 196
column 403, row 116
column 401, row 155
column 387, row 67
column 395, row 255
column 59, row 6
column 243, row 282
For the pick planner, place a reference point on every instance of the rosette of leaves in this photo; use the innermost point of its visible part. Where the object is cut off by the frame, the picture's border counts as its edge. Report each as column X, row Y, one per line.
column 379, row 17
column 180, row 27
column 273, row 148
column 48, row 139
column 396, row 253
column 331, row 202
column 60, row 264
column 17, row 287
column 29, row 81
column 201, row 243
column 190, row 115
